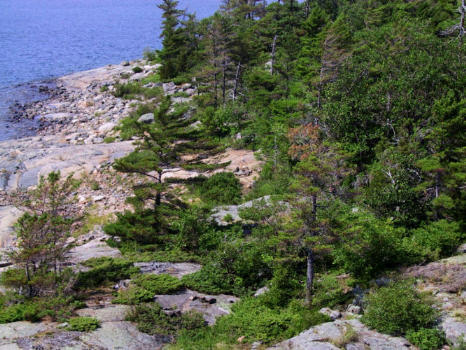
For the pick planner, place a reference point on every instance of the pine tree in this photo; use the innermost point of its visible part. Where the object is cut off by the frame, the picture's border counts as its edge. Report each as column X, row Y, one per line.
column 175, row 41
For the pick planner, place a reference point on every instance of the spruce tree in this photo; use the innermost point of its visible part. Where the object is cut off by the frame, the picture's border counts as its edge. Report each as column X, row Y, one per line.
column 175, row 41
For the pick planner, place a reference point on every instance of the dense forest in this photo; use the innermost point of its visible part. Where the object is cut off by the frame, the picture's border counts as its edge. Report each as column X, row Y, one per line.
column 355, row 108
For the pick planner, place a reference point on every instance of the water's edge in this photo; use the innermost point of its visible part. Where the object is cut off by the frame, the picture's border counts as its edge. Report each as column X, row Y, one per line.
column 13, row 102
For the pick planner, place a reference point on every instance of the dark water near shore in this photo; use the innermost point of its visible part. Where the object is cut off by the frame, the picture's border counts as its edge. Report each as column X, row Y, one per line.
column 50, row 38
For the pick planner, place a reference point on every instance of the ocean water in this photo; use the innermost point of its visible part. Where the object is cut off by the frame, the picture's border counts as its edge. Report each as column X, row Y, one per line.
column 41, row 39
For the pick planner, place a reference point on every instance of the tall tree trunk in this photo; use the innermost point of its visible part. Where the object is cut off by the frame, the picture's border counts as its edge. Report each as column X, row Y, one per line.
column 237, row 75
column 310, row 254
column 273, row 53
column 224, row 83
column 158, row 197
column 308, row 7
column 309, row 275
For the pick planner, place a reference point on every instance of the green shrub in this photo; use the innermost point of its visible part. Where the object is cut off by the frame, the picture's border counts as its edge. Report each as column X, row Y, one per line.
column 58, row 308
column 221, row 188
column 83, row 324
column 109, row 139
column 134, row 295
column 434, row 241
column 398, row 309
column 151, row 319
column 18, row 312
column 104, row 88
column 150, row 55
column 331, row 291
column 104, row 270
column 235, row 267
column 137, row 69
column 370, row 245
column 427, row 339
column 256, row 322
column 158, row 284
column 126, row 90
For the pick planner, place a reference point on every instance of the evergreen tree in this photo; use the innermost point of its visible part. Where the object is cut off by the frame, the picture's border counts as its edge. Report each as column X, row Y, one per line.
column 175, row 41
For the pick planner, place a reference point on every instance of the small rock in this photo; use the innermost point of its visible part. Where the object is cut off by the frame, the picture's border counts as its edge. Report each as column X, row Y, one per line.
column 333, row 314
column 106, row 127
column 98, row 198
column 146, row 118
column 354, row 309
column 462, row 248
column 261, row 291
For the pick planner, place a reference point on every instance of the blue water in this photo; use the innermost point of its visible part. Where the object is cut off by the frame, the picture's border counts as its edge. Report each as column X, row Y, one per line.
column 41, row 39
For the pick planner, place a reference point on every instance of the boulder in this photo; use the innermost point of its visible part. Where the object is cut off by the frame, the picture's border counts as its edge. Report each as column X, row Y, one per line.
column 454, row 330
column 175, row 269
column 57, row 117
column 8, row 217
column 106, row 127
column 325, row 335
column 333, row 314
column 146, row 118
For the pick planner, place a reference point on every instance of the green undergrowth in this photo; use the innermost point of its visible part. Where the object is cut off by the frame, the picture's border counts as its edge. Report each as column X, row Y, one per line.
column 83, row 324
column 151, row 319
column 253, row 320
column 133, row 295
column 104, row 270
column 399, row 309
column 15, row 308
column 158, row 284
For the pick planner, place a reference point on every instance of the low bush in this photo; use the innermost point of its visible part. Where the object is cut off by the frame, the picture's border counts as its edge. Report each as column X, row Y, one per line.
column 109, row 139
column 158, row 284
column 104, row 270
column 398, row 309
column 57, row 308
column 254, row 321
column 134, row 295
column 427, row 339
column 83, row 324
column 151, row 319
column 434, row 241
column 331, row 290
column 127, row 90
column 137, row 69
column 221, row 188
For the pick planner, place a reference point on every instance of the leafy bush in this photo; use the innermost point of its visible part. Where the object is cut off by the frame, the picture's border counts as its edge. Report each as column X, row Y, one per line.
column 104, row 270
column 398, row 309
column 221, row 188
column 370, row 245
column 137, row 69
column 20, row 312
column 134, row 295
column 434, row 241
column 151, row 319
column 127, row 90
column 109, row 139
column 83, row 324
column 58, row 308
column 158, row 284
column 235, row 267
column 427, row 339
column 256, row 322
column 330, row 291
